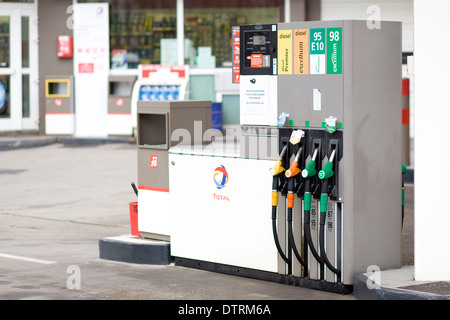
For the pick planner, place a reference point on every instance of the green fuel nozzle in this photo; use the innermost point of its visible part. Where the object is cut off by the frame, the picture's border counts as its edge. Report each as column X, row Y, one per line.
column 310, row 169
column 324, row 174
column 327, row 171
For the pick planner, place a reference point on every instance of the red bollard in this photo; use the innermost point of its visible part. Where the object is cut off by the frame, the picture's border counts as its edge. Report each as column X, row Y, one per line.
column 134, row 219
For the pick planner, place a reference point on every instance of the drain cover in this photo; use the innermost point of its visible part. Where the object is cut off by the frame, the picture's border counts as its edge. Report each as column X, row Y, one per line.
column 439, row 287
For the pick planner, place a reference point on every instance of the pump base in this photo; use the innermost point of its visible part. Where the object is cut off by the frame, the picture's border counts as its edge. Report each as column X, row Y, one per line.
column 265, row 275
column 136, row 250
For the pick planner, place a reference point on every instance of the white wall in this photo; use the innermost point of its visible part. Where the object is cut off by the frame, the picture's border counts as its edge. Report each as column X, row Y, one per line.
column 432, row 136
column 389, row 10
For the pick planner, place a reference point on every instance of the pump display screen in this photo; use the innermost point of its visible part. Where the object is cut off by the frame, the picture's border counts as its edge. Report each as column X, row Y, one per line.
column 259, row 40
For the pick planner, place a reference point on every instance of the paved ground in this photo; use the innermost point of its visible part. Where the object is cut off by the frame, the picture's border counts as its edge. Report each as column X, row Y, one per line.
column 58, row 200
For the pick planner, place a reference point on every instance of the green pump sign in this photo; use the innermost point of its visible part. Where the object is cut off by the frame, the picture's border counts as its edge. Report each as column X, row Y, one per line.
column 334, row 50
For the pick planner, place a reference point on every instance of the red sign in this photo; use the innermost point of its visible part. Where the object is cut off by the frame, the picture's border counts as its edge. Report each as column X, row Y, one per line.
column 86, row 68
column 236, row 40
column 154, row 161
column 256, row 61
column 119, row 102
column 149, row 68
column 65, row 47
column 58, row 102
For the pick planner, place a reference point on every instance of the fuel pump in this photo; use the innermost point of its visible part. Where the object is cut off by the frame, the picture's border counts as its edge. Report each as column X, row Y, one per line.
column 320, row 76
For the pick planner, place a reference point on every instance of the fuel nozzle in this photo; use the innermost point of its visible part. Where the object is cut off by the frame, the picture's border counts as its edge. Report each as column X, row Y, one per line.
column 291, row 173
column 278, row 167
column 327, row 171
column 324, row 174
column 310, row 169
column 275, row 171
column 294, row 169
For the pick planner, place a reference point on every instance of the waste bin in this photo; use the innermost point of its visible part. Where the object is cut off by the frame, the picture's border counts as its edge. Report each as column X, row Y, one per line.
column 157, row 121
column 119, row 120
column 59, row 105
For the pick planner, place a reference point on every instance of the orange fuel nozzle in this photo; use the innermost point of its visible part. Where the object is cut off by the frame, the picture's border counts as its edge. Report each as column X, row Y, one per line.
column 293, row 169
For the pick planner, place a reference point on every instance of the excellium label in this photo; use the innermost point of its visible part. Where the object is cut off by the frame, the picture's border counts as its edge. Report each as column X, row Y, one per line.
column 301, row 51
column 334, row 50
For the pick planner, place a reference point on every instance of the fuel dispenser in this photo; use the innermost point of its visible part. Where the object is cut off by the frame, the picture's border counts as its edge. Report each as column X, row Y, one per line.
column 339, row 83
column 320, row 108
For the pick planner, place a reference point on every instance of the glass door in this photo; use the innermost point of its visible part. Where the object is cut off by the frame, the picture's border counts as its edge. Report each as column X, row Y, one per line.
column 9, row 65
column 19, row 106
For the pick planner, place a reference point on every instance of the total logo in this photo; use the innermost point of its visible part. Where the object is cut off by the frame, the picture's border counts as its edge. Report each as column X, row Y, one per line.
column 220, row 177
column 220, row 181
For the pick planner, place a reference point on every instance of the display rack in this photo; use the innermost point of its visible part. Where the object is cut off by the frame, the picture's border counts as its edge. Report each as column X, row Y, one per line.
column 159, row 83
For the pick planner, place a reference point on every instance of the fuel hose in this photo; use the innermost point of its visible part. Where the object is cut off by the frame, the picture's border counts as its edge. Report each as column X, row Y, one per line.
column 326, row 173
column 275, row 171
column 291, row 173
column 307, row 174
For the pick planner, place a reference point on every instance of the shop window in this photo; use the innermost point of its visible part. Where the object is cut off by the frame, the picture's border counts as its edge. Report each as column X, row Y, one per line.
column 145, row 31
column 136, row 35
column 136, row 30
column 208, row 23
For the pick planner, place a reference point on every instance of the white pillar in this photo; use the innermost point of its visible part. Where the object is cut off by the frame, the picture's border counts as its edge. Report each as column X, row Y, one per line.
column 180, row 31
column 91, row 68
column 431, row 143
column 287, row 10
